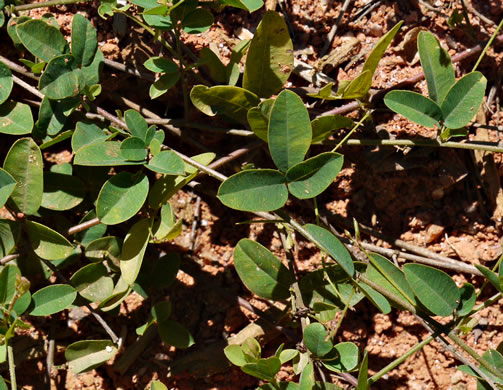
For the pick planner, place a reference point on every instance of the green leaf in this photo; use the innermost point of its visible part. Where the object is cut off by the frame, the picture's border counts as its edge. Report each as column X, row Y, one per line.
column 261, row 272
column 354, row 89
column 156, row 385
column 136, row 124
column 86, row 134
column 101, row 154
column 47, row 243
column 90, row 75
column 307, row 380
column 121, row 291
column 258, row 118
column 492, row 277
column 363, row 374
column 85, row 355
column 24, row 164
column 311, row 177
column 6, row 82
column 133, row 149
column 270, row 57
column 232, row 102
column 263, row 368
column 53, row 114
column 316, row 339
column 161, row 65
column 121, row 197
column 495, row 359
column 283, row 386
column 62, row 192
column 103, row 248
column 133, row 250
column 7, row 185
column 235, row 355
column 468, row 297
column 345, row 358
column 252, row 349
column 378, row 51
column 175, row 334
column 289, row 133
column 167, row 162
column 377, row 299
column 52, row 299
column 287, row 355
column 415, row 107
column 60, row 79
column 9, row 234
column 254, row 190
column 327, row 242
column 434, row 288
column 165, row 227
column 437, row 66
column 8, row 277
column 463, row 100
column 42, row 40
column 324, row 126
column 384, row 273
column 92, row 282
column 215, row 67
column 197, row 21
column 248, row 5
column 161, row 86
column 84, row 40
column 22, row 304
column 15, row 118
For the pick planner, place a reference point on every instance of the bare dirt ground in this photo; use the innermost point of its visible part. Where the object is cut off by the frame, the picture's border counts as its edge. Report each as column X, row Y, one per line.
column 441, row 199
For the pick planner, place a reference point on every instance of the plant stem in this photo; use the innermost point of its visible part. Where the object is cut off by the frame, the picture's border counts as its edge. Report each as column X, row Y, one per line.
column 83, row 226
column 367, row 114
column 488, row 302
column 487, row 45
column 4, row 260
column 12, row 366
column 400, row 360
column 181, row 66
column 45, row 4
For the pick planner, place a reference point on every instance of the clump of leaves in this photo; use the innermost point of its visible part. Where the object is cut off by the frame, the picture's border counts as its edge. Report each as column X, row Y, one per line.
column 451, row 104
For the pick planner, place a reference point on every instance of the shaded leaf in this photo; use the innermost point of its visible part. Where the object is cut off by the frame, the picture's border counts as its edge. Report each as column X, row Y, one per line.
column 254, row 190
column 85, row 355
column 52, row 299
column 232, row 102
column 311, row 177
column 42, row 40
column 289, row 133
column 15, row 118
column 270, row 57
column 8, row 277
column 133, row 250
column 7, row 185
column 263, row 368
column 92, row 282
column 261, row 272
column 434, row 288
column 327, row 242
column 62, row 192
column 258, row 118
column 9, row 234
column 53, row 114
column 175, row 334
column 161, row 86
column 215, row 67
column 324, row 126
column 415, row 107
column 468, row 297
column 437, row 66
column 121, row 197
column 161, row 65
column 103, row 248
column 24, row 164
column 6, row 81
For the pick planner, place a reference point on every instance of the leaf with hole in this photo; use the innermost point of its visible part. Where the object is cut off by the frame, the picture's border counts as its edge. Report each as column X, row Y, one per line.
column 85, row 355
column 316, row 339
column 47, row 243
column 175, row 334
column 311, row 177
column 289, row 133
column 121, row 197
column 61, row 79
column 15, row 118
column 415, row 107
column 62, row 192
column 434, row 288
column 270, row 57
column 7, row 185
column 92, row 282
column 52, row 299
column 437, row 66
column 166, row 162
column 260, row 271
column 41, row 39
column 133, row 250
column 84, row 40
column 24, row 164
column 6, row 82
column 231, row 102
column 327, row 242
column 343, row 358
column 463, row 100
